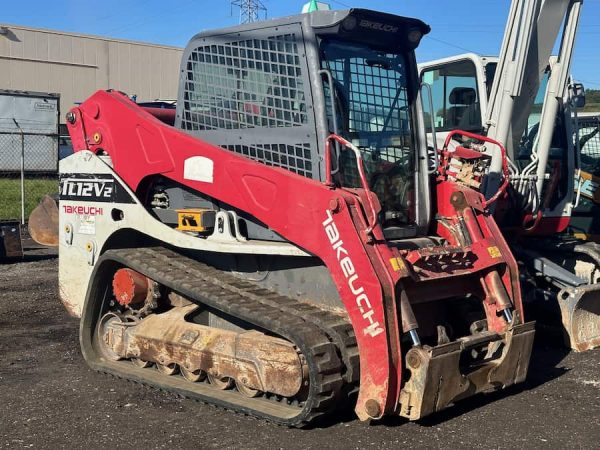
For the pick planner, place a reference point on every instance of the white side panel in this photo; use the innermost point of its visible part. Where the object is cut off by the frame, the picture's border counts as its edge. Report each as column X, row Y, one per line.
column 85, row 227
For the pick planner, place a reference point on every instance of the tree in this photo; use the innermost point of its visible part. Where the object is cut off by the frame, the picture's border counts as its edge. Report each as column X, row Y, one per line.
column 592, row 100
column 592, row 95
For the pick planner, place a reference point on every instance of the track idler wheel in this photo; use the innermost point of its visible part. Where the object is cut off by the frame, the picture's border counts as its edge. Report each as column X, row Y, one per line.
column 246, row 391
column 193, row 376
column 110, row 336
column 220, row 383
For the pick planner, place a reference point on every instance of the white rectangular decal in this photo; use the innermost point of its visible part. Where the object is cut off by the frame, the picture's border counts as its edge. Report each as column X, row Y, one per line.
column 87, row 224
column 198, row 168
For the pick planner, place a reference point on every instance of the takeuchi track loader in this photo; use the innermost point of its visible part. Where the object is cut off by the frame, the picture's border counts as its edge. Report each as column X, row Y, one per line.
column 285, row 249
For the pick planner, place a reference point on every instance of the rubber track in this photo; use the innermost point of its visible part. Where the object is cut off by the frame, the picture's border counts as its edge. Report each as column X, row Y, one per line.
column 324, row 338
column 337, row 327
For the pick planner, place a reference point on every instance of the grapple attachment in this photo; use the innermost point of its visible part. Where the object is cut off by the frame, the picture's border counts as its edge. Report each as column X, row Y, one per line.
column 580, row 313
column 43, row 222
column 439, row 378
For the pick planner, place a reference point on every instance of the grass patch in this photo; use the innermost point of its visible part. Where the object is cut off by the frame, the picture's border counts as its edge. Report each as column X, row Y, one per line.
column 35, row 189
column 591, row 107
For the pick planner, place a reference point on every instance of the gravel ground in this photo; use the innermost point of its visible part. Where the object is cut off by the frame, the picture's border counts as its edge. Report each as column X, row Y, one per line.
column 50, row 399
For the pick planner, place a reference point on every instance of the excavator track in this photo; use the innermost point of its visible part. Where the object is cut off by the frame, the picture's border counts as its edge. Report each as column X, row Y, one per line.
column 324, row 339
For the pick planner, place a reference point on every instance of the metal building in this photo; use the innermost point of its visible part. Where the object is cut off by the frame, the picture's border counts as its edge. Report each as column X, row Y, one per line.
column 75, row 65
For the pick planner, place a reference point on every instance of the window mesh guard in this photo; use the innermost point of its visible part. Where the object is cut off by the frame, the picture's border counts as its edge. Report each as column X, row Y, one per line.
column 248, row 85
column 376, row 104
column 589, row 141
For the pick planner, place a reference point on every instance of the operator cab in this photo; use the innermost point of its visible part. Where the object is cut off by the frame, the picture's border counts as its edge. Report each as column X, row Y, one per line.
column 471, row 77
column 372, row 111
column 275, row 90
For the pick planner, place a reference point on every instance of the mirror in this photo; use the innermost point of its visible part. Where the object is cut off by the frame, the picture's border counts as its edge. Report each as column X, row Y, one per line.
column 577, row 92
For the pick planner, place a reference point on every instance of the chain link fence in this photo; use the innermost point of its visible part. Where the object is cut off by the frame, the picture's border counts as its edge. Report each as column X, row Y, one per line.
column 28, row 171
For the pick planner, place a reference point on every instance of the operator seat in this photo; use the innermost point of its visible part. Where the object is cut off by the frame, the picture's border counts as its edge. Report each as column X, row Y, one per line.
column 465, row 109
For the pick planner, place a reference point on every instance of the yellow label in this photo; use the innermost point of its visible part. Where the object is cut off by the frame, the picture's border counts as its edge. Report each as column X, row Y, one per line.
column 494, row 252
column 190, row 219
column 397, row 264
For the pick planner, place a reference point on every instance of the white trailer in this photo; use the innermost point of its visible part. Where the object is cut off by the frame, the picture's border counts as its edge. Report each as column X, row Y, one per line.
column 28, row 131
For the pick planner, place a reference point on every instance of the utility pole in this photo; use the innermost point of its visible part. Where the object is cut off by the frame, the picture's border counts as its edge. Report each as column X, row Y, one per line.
column 250, row 10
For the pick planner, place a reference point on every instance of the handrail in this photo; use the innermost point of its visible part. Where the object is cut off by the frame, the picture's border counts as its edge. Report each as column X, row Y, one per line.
column 361, row 171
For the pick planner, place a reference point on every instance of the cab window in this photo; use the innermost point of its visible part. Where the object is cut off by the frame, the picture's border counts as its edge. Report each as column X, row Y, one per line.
column 455, row 97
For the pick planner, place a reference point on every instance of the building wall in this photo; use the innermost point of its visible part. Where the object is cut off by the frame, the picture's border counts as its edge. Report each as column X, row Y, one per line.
column 75, row 66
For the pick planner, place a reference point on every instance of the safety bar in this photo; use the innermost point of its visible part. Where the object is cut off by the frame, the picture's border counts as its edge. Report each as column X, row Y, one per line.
column 361, row 171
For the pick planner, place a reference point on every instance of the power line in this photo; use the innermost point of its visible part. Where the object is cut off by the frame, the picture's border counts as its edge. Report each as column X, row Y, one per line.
column 595, row 83
column 250, row 10
column 451, row 45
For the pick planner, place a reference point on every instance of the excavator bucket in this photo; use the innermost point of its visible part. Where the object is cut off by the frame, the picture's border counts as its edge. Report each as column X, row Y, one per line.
column 580, row 311
column 43, row 222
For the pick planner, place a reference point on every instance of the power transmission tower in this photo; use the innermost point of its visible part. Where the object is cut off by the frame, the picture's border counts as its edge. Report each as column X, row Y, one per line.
column 250, row 10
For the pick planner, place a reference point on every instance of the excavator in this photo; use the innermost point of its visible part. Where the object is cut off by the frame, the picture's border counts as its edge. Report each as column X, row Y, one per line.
column 525, row 100
column 286, row 249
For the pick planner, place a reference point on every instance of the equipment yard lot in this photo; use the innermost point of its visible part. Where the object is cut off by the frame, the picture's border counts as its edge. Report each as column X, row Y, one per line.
column 50, row 399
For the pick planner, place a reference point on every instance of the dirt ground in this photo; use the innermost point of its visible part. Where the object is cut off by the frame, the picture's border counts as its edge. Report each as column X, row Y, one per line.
column 50, row 399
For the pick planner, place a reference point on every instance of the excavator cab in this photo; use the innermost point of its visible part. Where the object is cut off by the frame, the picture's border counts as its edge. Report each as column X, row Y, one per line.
column 584, row 221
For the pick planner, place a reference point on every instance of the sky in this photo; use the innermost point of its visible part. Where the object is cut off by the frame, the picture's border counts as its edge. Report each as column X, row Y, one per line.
column 457, row 25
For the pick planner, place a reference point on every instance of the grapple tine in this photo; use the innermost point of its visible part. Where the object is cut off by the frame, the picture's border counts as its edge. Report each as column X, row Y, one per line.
column 43, row 222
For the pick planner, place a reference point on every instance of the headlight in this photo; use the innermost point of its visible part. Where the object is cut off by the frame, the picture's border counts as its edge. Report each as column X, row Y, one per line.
column 414, row 36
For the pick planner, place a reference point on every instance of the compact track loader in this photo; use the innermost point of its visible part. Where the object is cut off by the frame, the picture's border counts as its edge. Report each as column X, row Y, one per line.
column 285, row 249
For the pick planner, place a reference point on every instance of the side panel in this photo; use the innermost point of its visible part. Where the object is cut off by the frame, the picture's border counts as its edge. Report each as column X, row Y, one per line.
column 95, row 204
